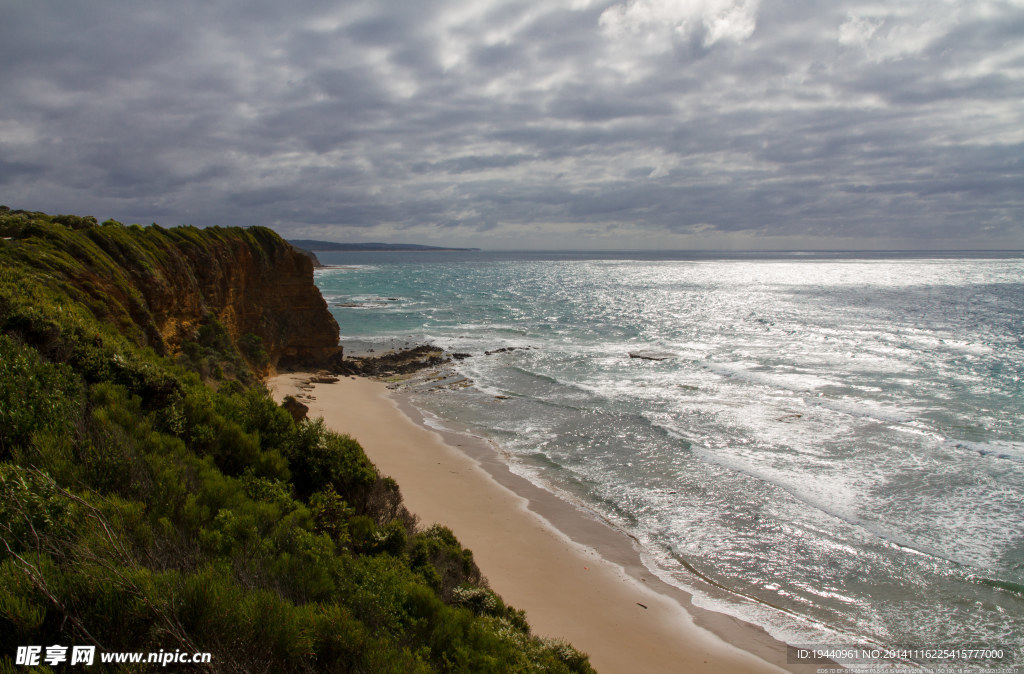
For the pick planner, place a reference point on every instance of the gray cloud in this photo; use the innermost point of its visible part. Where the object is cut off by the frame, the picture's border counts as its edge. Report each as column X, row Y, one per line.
column 578, row 122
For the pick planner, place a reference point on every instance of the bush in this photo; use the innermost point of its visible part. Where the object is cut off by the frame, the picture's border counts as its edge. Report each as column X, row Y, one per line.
column 35, row 396
column 76, row 221
column 320, row 458
column 144, row 510
column 251, row 347
column 31, row 507
column 442, row 561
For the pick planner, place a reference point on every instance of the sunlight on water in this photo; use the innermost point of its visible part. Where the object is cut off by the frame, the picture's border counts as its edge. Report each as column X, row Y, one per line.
column 839, row 440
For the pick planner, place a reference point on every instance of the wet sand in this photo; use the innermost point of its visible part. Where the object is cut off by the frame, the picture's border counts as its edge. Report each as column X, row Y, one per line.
column 536, row 550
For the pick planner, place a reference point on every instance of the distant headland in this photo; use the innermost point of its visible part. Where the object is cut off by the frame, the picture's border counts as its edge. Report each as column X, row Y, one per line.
column 323, row 246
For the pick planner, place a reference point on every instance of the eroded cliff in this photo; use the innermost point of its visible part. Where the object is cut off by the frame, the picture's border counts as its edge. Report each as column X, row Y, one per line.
column 169, row 287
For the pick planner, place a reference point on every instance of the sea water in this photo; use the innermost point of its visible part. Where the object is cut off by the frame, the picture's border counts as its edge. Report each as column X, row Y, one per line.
column 830, row 446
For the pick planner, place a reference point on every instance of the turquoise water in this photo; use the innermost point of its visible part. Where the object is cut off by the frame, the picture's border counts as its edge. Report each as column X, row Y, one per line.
column 836, row 440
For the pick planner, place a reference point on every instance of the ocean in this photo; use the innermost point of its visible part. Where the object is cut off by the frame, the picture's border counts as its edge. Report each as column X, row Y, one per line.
column 830, row 446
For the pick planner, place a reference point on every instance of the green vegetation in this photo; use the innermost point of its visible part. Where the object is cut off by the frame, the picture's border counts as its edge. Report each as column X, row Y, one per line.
column 159, row 499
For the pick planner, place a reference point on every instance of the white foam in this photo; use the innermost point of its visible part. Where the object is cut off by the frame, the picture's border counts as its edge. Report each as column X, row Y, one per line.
column 791, row 381
column 435, row 422
column 329, row 271
column 828, row 415
column 486, row 390
column 785, row 626
column 863, row 409
column 968, row 347
column 662, row 421
column 832, row 494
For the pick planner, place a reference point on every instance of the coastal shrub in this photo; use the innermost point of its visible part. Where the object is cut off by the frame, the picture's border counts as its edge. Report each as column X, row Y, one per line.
column 307, row 567
column 384, row 504
column 564, row 653
column 252, row 348
column 31, row 506
column 391, row 539
column 266, row 490
column 331, row 515
column 35, row 396
column 144, row 509
column 76, row 221
column 61, row 332
column 342, row 644
column 442, row 561
column 154, row 384
column 479, row 600
column 110, row 450
column 22, row 611
column 208, row 427
column 255, row 410
column 318, row 457
column 26, row 614
column 367, row 538
column 215, row 356
column 213, row 335
column 363, row 534
column 12, row 223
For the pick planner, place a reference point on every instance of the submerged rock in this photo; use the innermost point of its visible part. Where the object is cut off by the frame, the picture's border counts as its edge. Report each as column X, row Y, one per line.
column 508, row 349
column 650, row 355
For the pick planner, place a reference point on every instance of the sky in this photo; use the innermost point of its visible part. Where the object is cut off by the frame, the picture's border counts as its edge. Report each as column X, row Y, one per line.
column 586, row 124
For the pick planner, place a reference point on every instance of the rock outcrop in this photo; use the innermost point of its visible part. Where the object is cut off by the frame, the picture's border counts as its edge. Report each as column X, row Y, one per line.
column 247, row 287
column 404, row 361
column 252, row 282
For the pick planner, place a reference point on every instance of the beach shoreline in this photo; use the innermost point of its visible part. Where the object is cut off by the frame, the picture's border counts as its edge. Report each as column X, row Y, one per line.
column 577, row 578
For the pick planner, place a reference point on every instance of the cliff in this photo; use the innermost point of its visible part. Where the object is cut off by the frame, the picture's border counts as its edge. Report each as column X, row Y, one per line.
column 145, row 508
column 231, row 289
column 253, row 283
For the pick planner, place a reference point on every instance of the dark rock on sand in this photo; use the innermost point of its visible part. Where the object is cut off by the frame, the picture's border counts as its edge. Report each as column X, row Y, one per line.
column 295, row 408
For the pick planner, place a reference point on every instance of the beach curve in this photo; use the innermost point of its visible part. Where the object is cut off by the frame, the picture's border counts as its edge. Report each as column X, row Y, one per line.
column 625, row 618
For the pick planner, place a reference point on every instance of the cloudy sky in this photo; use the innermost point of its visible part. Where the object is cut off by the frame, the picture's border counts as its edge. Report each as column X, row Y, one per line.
column 525, row 124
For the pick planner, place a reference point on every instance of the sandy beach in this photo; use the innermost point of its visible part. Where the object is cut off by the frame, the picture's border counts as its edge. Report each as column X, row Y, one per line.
column 537, row 551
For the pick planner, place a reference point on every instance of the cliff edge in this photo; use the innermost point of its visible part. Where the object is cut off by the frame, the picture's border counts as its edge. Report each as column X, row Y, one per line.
column 154, row 497
column 241, row 289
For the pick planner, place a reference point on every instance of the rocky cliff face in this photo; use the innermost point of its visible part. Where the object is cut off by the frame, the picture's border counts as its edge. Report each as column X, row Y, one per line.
column 164, row 287
column 253, row 285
